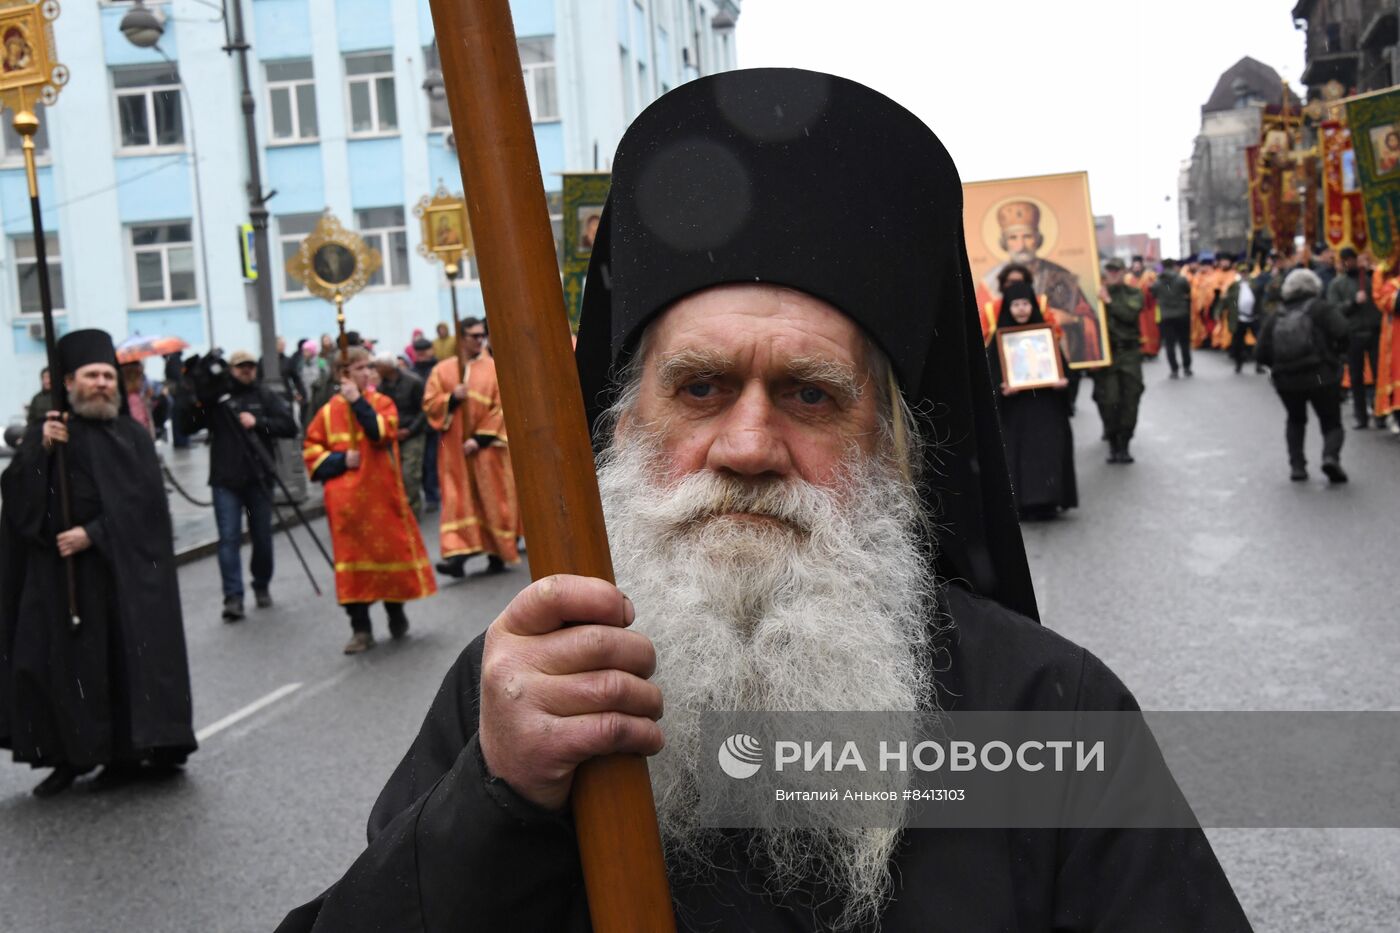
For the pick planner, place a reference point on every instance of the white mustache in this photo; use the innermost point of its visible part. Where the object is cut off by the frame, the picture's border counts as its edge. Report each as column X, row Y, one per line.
column 703, row 496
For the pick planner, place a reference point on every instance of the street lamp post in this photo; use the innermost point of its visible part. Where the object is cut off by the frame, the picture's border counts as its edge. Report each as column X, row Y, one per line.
column 144, row 29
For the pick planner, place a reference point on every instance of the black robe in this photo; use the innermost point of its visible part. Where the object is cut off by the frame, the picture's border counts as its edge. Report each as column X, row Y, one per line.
column 452, row 848
column 119, row 688
column 1039, row 443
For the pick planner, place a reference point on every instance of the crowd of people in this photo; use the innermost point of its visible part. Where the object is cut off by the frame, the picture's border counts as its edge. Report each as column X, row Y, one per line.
column 383, row 453
column 1323, row 325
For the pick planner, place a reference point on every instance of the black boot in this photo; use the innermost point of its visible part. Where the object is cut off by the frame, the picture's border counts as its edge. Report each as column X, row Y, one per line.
column 1114, row 455
column 59, row 780
column 1332, row 455
column 398, row 620
column 1123, row 455
column 452, row 566
column 494, row 564
column 1297, row 460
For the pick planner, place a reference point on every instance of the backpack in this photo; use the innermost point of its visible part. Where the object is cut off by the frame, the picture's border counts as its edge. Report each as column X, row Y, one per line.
column 1295, row 344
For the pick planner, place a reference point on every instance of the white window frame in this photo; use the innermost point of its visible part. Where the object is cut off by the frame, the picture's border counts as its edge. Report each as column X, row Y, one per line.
column 54, row 256
column 290, row 85
column 372, row 79
column 148, row 91
column 13, row 157
column 282, row 239
column 378, row 238
column 537, row 71
column 164, row 249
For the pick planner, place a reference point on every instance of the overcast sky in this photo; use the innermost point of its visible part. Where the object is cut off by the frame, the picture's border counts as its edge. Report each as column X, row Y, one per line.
column 1030, row 87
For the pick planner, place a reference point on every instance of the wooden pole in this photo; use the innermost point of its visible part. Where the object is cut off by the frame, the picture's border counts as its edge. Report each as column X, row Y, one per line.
column 614, row 814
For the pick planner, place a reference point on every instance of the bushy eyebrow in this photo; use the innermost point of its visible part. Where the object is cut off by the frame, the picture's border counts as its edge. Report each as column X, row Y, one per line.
column 838, row 378
column 675, row 368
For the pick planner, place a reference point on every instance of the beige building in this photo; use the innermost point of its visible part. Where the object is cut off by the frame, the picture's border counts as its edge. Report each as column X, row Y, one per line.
column 1214, row 181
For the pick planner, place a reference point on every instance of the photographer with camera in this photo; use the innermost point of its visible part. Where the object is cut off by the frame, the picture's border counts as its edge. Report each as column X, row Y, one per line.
column 238, row 412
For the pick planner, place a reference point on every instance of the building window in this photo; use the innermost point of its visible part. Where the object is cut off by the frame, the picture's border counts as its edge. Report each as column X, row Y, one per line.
column 537, row 62
column 27, row 274
column 148, row 107
column 369, row 82
column 162, row 258
column 14, row 143
column 291, row 230
column 383, row 229
column 291, row 101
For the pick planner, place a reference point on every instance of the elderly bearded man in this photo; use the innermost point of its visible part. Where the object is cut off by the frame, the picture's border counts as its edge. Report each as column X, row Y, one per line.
column 758, row 379
column 116, row 690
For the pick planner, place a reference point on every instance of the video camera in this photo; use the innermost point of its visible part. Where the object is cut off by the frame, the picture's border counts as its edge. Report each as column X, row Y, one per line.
column 208, row 377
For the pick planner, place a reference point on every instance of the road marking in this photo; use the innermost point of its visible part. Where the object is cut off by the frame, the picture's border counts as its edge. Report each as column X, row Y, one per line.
column 245, row 712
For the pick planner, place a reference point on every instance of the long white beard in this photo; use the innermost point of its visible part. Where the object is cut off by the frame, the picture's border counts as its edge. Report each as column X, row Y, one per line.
column 828, row 608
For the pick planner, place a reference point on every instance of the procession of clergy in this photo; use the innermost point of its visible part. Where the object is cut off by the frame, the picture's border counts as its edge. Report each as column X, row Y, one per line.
column 117, row 694
column 1216, row 323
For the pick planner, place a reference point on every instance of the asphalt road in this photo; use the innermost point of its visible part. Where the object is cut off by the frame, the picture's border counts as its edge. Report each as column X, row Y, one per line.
column 1199, row 574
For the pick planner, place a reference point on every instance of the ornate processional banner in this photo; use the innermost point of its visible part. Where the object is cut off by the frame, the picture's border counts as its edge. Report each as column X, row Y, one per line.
column 584, row 194
column 1343, row 209
column 1375, row 134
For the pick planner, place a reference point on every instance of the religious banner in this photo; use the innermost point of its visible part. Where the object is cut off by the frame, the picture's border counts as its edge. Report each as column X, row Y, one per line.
column 447, row 236
column 1044, row 223
column 1343, row 212
column 1258, row 218
column 1279, row 167
column 584, row 195
column 335, row 264
column 29, row 69
column 1375, row 135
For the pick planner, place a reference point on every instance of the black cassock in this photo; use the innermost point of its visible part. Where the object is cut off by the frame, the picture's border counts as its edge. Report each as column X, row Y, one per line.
column 119, row 688
column 1039, row 443
column 454, row 849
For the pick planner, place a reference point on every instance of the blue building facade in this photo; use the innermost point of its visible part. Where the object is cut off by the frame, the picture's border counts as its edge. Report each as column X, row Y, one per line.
column 143, row 160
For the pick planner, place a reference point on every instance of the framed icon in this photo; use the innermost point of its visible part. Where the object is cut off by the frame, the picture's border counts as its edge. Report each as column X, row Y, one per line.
column 335, row 263
column 1030, row 358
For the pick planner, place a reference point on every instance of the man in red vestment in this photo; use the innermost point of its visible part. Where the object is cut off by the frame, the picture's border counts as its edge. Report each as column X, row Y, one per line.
column 352, row 447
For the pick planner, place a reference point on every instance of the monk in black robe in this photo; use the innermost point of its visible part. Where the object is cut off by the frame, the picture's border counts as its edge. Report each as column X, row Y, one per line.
column 778, row 309
column 1035, row 423
column 114, row 688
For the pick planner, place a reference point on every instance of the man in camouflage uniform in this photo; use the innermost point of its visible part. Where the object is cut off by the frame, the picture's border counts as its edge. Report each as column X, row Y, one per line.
column 1118, row 386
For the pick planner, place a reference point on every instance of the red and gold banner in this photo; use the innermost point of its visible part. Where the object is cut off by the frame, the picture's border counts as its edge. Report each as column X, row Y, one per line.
column 1258, row 219
column 1342, row 206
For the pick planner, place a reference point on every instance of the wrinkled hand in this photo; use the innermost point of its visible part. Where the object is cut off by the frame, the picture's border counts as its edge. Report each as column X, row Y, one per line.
column 247, row 419
column 349, row 391
column 460, row 392
column 73, row 540
column 1062, row 383
column 554, row 696
column 352, row 460
column 55, row 430
column 1007, row 390
column 470, row 446
column 1361, row 297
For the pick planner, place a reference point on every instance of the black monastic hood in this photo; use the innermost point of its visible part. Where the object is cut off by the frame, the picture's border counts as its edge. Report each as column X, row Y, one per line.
column 80, row 348
column 818, row 183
